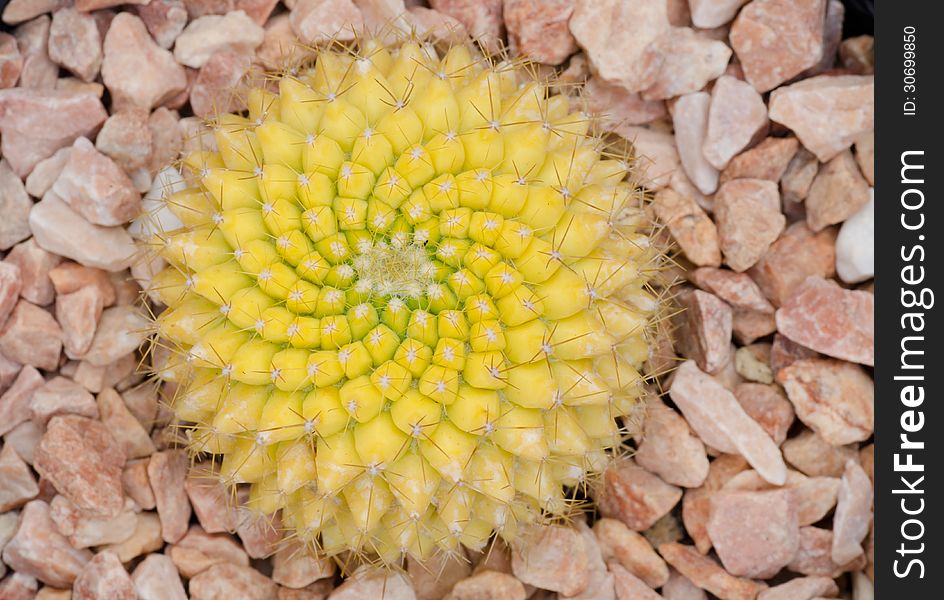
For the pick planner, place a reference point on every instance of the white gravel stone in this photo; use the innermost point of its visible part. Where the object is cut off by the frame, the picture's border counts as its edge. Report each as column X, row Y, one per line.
column 855, row 246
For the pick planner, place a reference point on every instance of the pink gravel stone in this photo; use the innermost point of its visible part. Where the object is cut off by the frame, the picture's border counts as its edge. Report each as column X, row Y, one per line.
column 714, row 413
column 754, row 533
column 61, row 396
column 801, row 588
column 690, row 226
column 853, row 514
column 74, row 43
column 126, row 138
column 293, row 566
column 104, row 577
column 690, row 120
column 815, row 457
column 212, row 504
column 631, row 550
column 32, row 39
column 90, row 5
column 317, row 21
column 481, row 18
column 120, row 331
column 18, row 587
column 96, row 188
column 84, row 530
column 538, row 558
column 15, row 206
column 798, row 177
column 164, row 19
column 374, row 582
column 630, row 587
column 156, row 578
column 796, row 255
column 635, row 496
column 814, row 555
column 136, row 71
column 208, row 35
column 539, row 30
column 198, row 551
column 78, row 314
column 768, row 405
column 31, row 336
column 279, row 46
column 232, row 581
column 145, row 538
column 696, row 505
column 488, row 584
column 707, row 574
column 214, row 88
column 768, row 160
column 11, row 61
column 18, row 11
column 167, row 472
column 827, row 318
column 36, row 123
column 679, row 587
column 618, row 37
column 39, row 550
column 838, row 191
column 83, row 461
column 737, row 117
column 737, row 289
column 35, row 265
column 135, row 483
column 776, row 40
column 670, row 449
column 15, row 402
column 828, row 113
column 17, row 485
column 165, row 138
column 709, row 14
column 616, row 107
column 689, row 61
column 705, row 329
column 128, row 432
column 834, row 398
column 46, row 172
column 10, row 285
column 435, row 577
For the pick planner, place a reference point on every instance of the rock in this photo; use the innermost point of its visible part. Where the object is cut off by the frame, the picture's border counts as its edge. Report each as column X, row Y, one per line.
column 39, row 550
column 690, row 120
column 84, row 530
column 679, row 587
column 207, row 35
column 78, row 315
column 855, row 251
column 198, row 551
column 34, row 264
column 828, row 113
column 814, row 555
column 166, row 142
column 747, row 212
column 768, row 160
column 751, row 325
column 15, row 402
column 737, row 117
column 655, row 154
column 776, row 40
column 709, row 14
column 15, row 206
column 812, row 455
column 104, row 577
column 61, row 396
column 279, row 45
column 60, row 230
column 707, row 574
column 857, row 54
column 837, row 192
column 670, row 450
column 689, row 61
column 798, row 177
column 694, row 231
column 167, row 471
column 704, row 329
column 374, row 582
column 120, row 331
column 435, row 577
column 737, row 289
column 796, row 255
column 488, row 584
column 156, row 578
column 8, row 368
column 145, row 538
column 318, row 21
column 617, row 37
column 631, row 550
column 11, row 61
column 635, row 496
column 293, row 566
column 630, row 587
column 18, row 11
column 767, row 405
column 481, row 18
column 36, row 123
column 754, row 533
column 17, row 485
column 211, row 503
column 833, row 398
column 827, row 318
column 45, row 173
column 11, row 283
column 801, row 588
column 258, row 10
column 137, row 72
column 31, row 337
column 616, row 107
column 212, row 92
column 82, row 460
column 134, row 481
column 164, row 19
column 18, row 587
column 24, row 438
column 69, row 277
column 714, row 413
column 74, row 43
column 128, row 432
column 126, row 139
column 865, row 156
column 853, row 514
column 539, row 30
column 260, row 534
column 32, row 39
column 554, row 557
column 90, row 5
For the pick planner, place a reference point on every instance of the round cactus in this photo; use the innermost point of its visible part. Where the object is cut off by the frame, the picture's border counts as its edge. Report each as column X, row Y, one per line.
column 407, row 299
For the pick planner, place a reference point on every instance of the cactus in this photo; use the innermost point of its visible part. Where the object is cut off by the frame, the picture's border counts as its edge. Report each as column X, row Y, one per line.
column 407, row 299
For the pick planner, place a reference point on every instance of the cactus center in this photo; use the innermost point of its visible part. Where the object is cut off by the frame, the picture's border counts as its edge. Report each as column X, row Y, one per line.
column 395, row 270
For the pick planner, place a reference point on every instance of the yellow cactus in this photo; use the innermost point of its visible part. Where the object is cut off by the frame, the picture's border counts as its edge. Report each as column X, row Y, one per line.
column 408, row 298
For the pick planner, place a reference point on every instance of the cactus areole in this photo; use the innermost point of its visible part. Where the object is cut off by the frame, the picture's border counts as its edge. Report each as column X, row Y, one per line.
column 407, row 298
